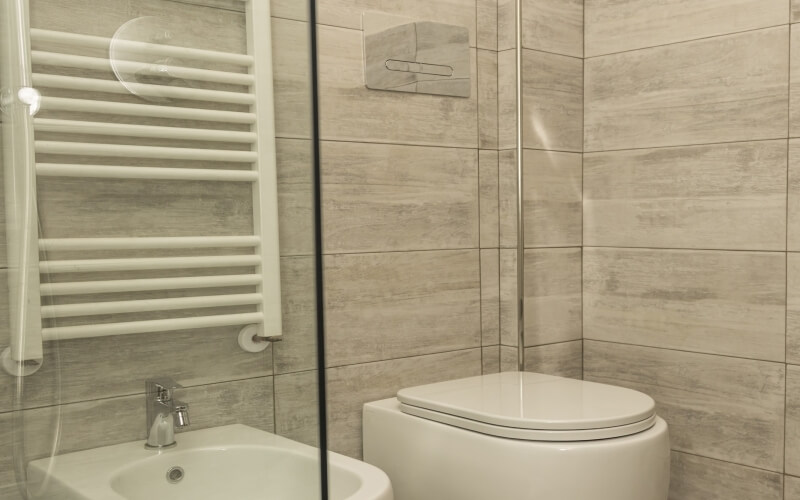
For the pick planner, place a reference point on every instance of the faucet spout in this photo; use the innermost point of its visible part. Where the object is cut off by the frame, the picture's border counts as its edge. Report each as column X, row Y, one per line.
column 164, row 413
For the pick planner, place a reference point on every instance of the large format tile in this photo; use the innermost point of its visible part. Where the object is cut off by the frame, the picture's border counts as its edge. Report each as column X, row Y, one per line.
column 487, row 24
column 490, row 296
column 553, row 26
column 730, row 303
column 552, row 88
column 291, row 75
column 795, row 11
column 295, row 196
column 794, row 87
column 391, row 305
column 297, row 407
column 793, row 420
column 791, row 488
column 297, row 349
column 793, row 237
column 489, row 201
column 552, row 198
column 349, row 387
column 351, row 112
column 719, row 407
column 564, row 359
column 552, row 295
column 793, row 308
column 700, row 478
column 615, row 26
column 348, row 13
column 726, row 196
column 724, row 89
column 487, row 99
column 379, row 197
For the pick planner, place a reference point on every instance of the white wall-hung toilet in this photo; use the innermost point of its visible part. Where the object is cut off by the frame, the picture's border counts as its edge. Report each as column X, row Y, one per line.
column 519, row 436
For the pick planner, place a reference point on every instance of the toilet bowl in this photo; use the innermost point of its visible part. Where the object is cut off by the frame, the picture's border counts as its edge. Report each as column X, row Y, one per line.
column 519, row 436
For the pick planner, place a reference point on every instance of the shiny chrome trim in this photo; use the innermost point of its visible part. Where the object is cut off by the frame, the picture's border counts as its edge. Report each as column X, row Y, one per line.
column 520, row 218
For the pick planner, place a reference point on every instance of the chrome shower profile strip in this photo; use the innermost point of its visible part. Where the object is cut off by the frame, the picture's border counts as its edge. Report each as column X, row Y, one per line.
column 520, row 214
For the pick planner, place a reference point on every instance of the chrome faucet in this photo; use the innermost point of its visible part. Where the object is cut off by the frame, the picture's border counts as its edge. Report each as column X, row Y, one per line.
column 164, row 413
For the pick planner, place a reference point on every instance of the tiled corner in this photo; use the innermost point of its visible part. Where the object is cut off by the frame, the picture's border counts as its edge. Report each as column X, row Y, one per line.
column 553, row 26
column 698, row 477
column 489, row 179
column 552, row 295
column 564, row 359
column 490, row 297
column 552, row 198
column 487, row 99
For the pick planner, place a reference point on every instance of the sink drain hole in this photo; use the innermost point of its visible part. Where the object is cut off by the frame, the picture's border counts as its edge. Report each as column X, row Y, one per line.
column 175, row 474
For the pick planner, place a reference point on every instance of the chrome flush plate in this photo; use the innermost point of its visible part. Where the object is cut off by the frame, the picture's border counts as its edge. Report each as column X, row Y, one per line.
column 423, row 57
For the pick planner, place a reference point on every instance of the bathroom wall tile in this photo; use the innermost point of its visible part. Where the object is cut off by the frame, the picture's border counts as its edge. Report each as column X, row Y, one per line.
column 489, row 201
column 553, row 26
column 71, row 368
column 289, row 9
column 490, row 297
column 507, row 172
column 508, row 359
column 718, row 407
column 297, row 406
column 552, row 87
column 615, row 26
column 507, row 99
column 722, row 89
column 349, row 387
column 730, row 303
column 793, row 237
column 291, row 75
column 351, row 112
column 295, row 196
column 564, row 359
column 793, row 419
column 552, row 198
column 795, row 11
column 552, row 295
column 793, row 308
column 487, row 24
column 791, row 488
column 490, row 359
column 508, row 297
column 391, row 305
column 118, row 420
column 380, row 197
column 487, row 99
column 348, row 13
column 727, row 196
column 506, row 24
column 700, row 478
column 297, row 351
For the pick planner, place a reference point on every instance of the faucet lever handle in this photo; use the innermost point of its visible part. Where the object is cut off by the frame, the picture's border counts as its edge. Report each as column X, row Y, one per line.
column 162, row 387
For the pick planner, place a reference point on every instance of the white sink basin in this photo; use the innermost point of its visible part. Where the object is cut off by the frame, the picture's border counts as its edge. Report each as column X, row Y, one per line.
column 233, row 462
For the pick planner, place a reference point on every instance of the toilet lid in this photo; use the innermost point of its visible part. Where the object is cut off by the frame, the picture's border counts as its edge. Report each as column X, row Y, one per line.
column 534, row 406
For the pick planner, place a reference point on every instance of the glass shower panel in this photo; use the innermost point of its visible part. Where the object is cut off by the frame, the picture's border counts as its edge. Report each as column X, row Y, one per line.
column 160, row 252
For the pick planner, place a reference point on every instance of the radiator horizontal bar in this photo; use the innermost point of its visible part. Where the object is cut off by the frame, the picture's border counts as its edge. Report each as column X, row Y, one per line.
column 103, row 64
column 143, row 89
column 157, row 152
column 147, row 131
column 156, row 173
column 56, row 244
column 148, row 110
column 147, row 263
column 141, row 48
column 156, row 325
column 140, row 285
column 132, row 306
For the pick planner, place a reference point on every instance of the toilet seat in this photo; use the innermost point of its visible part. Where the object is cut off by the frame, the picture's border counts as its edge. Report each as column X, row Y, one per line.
column 532, row 406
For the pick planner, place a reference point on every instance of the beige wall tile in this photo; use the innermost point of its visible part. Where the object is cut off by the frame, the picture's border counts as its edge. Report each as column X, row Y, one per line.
column 552, row 187
column 487, row 99
column 508, row 297
column 507, row 172
column 795, row 11
column 793, row 419
column 351, row 112
column 379, row 197
column 723, row 89
column 552, row 295
column 508, row 359
column 487, row 24
column 793, row 308
column 506, row 24
column 793, row 240
column 289, row 9
column 297, row 349
column 104, row 422
column 729, row 303
column 295, row 196
column 383, row 306
column 348, row 13
column 297, row 407
column 506, row 99
column 794, row 86
column 719, row 407
column 727, row 196
column 349, row 387
column 700, row 478
column 564, row 359
column 553, row 26
column 490, row 359
column 552, row 87
column 615, row 26
column 489, row 201
column 490, row 296
column 791, row 488
column 291, row 75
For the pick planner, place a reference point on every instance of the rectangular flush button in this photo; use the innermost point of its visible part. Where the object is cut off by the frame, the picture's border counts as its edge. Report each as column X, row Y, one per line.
column 416, row 67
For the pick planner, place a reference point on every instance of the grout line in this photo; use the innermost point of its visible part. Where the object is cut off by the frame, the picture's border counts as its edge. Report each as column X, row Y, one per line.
column 721, row 35
column 436, row 353
column 673, row 349
column 684, row 249
column 726, row 461
column 378, row 252
column 786, row 254
column 696, row 145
